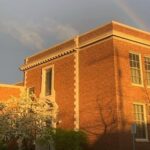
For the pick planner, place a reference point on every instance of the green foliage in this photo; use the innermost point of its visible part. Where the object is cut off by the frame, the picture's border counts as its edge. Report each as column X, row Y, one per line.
column 3, row 146
column 65, row 139
column 69, row 140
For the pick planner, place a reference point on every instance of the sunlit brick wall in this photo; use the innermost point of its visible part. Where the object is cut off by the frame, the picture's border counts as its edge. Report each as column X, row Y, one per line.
column 8, row 91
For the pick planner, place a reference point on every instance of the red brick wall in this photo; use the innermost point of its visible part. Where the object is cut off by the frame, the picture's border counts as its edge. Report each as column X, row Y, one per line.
column 128, row 94
column 97, row 104
column 63, row 85
column 98, row 114
column 6, row 92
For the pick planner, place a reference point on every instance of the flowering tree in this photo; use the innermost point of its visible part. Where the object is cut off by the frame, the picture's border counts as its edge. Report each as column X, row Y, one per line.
column 25, row 118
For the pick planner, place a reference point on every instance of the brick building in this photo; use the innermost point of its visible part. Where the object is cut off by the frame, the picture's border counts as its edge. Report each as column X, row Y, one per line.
column 100, row 81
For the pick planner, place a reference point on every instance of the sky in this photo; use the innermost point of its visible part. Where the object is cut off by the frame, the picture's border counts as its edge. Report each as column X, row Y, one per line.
column 28, row 26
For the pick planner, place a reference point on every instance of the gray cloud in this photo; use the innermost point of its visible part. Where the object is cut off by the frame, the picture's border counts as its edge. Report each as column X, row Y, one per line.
column 24, row 33
column 60, row 31
column 33, row 35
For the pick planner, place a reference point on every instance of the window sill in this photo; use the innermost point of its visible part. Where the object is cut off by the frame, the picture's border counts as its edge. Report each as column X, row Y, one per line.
column 138, row 85
column 142, row 140
column 48, row 96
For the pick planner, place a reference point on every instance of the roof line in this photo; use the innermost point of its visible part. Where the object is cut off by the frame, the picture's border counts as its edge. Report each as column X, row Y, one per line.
column 44, row 50
column 47, row 49
column 11, row 86
column 80, row 35
column 131, row 27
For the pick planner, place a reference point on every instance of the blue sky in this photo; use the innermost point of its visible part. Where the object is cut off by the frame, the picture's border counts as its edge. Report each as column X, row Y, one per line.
column 28, row 26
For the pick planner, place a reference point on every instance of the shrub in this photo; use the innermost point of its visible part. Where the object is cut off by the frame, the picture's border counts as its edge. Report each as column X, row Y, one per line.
column 65, row 139
column 3, row 146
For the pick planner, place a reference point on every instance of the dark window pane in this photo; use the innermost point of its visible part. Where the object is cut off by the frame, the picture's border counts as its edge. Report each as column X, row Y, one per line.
column 31, row 91
column 48, row 82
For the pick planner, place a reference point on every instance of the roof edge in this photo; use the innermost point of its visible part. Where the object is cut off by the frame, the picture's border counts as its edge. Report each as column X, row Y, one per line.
column 99, row 33
column 11, row 86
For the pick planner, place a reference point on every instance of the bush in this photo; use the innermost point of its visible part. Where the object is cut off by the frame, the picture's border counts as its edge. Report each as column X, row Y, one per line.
column 69, row 140
column 3, row 146
column 65, row 139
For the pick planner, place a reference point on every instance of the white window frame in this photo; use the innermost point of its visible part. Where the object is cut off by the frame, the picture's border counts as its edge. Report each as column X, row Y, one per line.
column 42, row 94
column 28, row 89
column 141, row 72
column 43, row 86
column 148, row 86
column 145, row 120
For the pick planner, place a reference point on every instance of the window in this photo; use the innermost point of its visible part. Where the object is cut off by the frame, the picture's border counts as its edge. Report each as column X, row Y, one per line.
column 135, row 68
column 141, row 127
column 147, row 70
column 48, row 82
column 31, row 92
column 47, row 86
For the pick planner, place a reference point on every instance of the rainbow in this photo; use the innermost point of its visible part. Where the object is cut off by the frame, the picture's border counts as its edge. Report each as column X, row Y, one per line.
column 131, row 14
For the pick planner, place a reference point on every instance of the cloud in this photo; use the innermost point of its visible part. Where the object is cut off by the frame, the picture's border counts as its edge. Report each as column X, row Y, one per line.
column 36, row 34
column 24, row 33
column 61, row 31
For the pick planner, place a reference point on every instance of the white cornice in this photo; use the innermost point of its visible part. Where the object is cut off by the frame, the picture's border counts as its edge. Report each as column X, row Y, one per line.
column 131, row 28
column 131, row 38
column 46, row 59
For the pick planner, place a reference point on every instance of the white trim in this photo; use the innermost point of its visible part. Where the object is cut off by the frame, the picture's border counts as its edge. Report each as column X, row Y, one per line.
column 25, row 78
column 138, row 85
column 11, row 86
column 130, row 27
column 43, row 82
column 142, row 140
column 141, row 69
column 131, row 37
column 42, row 94
column 146, row 56
column 131, row 41
column 25, row 74
column 145, row 120
column 76, row 89
column 46, row 59
column 96, row 39
column 28, row 89
column 148, row 109
column 50, row 62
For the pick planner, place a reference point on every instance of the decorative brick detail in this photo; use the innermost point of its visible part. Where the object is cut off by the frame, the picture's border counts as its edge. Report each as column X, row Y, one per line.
column 76, row 91
column 76, row 85
column 47, row 59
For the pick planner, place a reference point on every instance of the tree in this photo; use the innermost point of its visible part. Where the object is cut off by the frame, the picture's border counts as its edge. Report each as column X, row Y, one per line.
column 24, row 119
